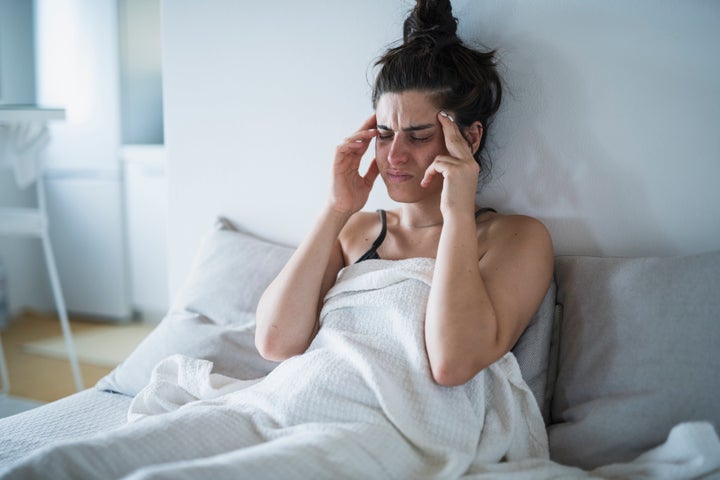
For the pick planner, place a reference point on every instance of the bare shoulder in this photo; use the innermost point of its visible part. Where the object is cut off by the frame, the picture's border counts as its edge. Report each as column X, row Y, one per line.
column 518, row 236
column 359, row 223
column 513, row 227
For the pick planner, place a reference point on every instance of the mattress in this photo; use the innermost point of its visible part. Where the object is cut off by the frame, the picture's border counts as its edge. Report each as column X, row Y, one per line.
column 75, row 416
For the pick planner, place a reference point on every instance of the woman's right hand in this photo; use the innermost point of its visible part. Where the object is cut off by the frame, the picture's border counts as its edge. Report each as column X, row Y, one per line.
column 350, row 190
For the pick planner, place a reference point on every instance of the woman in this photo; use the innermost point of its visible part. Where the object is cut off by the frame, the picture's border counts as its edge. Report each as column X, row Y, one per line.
column 442, row 292
column 433, row 99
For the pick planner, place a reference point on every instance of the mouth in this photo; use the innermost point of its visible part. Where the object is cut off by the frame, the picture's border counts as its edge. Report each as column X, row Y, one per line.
column 398, row 177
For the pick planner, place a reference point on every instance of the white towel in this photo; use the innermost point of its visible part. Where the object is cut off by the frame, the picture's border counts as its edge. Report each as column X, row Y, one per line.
column 20, row 147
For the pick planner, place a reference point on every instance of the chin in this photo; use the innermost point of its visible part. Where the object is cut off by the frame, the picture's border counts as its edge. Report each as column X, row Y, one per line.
column 411, row 193
column 406, row 195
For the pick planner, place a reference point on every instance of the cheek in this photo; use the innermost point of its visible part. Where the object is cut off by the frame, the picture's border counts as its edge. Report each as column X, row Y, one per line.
column 381, row 150
column 429, row 152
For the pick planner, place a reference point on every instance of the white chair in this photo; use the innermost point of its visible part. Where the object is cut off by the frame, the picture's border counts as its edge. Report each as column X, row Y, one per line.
column 33, row 223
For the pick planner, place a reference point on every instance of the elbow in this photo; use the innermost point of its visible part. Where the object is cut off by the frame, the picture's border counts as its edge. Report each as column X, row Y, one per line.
column 453, row 372
column 264, row 347
column 269, row 348
column 266, row 337
column 272, row 345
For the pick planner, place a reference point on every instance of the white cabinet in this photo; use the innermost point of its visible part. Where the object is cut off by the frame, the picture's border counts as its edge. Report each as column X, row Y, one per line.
column 86, row 230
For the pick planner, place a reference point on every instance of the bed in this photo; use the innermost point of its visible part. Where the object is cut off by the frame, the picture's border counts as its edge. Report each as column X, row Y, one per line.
column 619, row 360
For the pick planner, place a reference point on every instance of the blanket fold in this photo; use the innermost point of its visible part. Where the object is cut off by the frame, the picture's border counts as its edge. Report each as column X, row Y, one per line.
column 178, row 380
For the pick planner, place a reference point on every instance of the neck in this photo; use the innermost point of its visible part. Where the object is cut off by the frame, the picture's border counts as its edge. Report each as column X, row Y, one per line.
column 417, row 215
column 420, row 225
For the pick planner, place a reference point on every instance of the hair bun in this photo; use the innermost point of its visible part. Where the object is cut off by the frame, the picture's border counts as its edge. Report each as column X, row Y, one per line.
column 431, row 20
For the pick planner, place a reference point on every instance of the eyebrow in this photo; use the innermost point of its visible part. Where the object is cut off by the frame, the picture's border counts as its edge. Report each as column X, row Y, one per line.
column 411, row 128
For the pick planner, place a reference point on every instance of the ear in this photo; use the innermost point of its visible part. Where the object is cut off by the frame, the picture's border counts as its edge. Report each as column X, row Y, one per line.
column 473, row 134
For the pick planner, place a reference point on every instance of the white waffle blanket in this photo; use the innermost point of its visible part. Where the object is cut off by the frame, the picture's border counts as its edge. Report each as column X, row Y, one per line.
column 360, row 403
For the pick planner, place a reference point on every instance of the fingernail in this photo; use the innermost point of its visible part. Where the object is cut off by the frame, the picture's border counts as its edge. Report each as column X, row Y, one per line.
column 448, row 116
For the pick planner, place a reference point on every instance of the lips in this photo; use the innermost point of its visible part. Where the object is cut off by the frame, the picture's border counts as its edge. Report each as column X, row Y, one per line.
column 397, row 176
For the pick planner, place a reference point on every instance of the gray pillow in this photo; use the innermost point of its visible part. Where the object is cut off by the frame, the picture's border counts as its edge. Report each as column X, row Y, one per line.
column 533, row 350
column 637, row 354
column 214, row 314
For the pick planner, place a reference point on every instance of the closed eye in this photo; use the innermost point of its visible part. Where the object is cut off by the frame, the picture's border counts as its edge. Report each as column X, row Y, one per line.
column 384, row 136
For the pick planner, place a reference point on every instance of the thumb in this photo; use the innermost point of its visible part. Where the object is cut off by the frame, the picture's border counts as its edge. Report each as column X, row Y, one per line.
column 372, row 173
column 430, row 172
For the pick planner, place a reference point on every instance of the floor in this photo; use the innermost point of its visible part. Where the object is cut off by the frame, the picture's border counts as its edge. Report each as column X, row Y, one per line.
column 36, row 378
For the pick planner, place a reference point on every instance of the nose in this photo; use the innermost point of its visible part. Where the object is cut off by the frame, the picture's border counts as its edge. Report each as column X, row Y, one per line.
column 397, row 154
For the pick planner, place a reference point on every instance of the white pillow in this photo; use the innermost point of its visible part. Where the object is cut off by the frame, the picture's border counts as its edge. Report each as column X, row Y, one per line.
column 213, row 316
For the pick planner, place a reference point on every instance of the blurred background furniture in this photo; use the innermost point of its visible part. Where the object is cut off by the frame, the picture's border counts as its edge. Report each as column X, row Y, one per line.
column 22, row 135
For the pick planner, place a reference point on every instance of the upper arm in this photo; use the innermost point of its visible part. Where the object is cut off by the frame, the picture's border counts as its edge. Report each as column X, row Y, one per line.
column 516, row 269
column 335, row 263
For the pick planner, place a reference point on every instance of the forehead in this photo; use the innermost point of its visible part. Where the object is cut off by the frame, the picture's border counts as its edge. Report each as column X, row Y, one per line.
column 405, row 108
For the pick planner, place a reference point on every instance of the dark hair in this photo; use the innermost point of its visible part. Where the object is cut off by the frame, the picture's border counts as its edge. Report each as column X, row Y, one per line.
column 432, row 58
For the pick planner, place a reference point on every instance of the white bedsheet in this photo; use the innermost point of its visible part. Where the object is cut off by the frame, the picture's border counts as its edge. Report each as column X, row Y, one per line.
column 360, row 403
column 81, row 414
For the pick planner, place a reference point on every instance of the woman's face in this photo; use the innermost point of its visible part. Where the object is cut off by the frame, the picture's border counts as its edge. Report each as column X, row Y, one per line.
column 409, row 138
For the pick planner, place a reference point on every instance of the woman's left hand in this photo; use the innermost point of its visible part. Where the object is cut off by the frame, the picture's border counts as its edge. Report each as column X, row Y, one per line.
column 459, row 170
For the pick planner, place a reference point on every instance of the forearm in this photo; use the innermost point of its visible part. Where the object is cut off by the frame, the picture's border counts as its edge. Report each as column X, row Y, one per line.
column 287, row 314
column 460, row 325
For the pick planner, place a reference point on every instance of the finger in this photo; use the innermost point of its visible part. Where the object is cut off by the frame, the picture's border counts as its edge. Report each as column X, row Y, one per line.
column 371, row 122
column 447, row 116
column 430, row 172
column 362, row 135
column 372, row 173
column 358, row 142
column 351, row 147
column 454, row 141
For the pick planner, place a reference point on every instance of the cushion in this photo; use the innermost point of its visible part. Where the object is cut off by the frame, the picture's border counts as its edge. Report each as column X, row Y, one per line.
column 637, row 354
column 213, row 316
column 533, row 350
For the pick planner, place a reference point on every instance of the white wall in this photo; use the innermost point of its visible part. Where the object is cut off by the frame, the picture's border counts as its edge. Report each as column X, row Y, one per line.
column 607, row 132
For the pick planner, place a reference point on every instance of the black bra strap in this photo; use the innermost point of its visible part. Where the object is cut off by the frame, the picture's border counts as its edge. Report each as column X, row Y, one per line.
column 484, row 210
column 372, row 254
